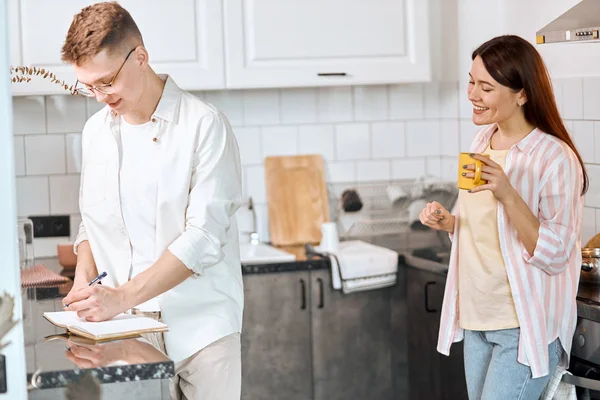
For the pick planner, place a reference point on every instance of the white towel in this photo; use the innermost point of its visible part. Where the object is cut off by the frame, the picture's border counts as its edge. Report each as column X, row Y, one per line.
column 556, row 389
column 359, row 266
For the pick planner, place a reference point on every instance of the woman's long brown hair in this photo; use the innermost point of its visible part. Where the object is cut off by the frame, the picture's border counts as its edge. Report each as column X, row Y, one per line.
column 514, row 62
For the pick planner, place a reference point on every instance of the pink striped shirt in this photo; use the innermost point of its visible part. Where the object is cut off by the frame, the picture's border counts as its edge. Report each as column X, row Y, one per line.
column 547, row 175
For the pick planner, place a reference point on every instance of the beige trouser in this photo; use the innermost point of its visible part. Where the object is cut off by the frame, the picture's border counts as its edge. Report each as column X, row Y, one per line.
column 213, row 373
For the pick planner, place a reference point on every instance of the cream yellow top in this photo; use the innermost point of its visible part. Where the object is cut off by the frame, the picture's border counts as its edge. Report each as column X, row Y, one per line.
column 484, row 296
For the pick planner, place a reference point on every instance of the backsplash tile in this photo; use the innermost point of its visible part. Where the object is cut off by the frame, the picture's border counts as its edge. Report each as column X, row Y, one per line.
column 373, row 171
column 249, row 143
column 29, row 115
column 422, row 138
column 317, row 139
column 19, row 149
column 340, row 172
column 231, row 102
column 65, row 114
column 406, row 101
column 334, row 104
column 363, row 133
column 280, row 141
column 45, row 154
column 261, row 107
column 64, row 194
column 572, row 98
column 352, row 141
column 388, row 140
column 299, row 106
column 410, row 168
column 591, row 106
column 583, row 136
column 73, row 153
column 370, row 103
column 33, row 196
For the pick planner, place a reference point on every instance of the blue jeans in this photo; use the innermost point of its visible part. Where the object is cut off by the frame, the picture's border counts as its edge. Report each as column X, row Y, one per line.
column 493, row 372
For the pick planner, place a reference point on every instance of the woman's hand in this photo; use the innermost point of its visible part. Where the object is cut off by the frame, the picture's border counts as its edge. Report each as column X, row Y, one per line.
column 497, row 181
column 435, row 216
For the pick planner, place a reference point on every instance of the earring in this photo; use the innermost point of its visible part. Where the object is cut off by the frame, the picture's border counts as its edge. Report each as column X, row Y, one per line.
column 519, row 104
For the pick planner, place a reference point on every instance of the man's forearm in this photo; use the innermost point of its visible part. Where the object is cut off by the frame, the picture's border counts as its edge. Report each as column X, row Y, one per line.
column 166, row 273
column 86, row 265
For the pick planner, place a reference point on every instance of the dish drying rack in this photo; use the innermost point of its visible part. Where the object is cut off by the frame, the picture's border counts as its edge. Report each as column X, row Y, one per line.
column 386, row 206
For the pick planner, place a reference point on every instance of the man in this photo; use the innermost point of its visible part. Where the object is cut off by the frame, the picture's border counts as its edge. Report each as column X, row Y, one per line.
column 160, row 184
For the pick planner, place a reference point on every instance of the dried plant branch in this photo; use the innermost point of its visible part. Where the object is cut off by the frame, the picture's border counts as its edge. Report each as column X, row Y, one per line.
column 22, row 74
column 7, row 322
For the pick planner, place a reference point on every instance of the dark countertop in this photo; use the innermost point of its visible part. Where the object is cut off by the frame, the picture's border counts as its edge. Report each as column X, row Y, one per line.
column 51, row 365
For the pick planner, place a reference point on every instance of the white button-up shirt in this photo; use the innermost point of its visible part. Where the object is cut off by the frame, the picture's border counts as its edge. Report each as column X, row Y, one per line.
column 199, row 191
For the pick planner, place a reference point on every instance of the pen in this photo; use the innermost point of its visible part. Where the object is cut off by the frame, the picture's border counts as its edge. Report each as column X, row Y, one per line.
column 96, row 279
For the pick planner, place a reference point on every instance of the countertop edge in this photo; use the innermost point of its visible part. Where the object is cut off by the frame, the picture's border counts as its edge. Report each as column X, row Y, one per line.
column 112, row 374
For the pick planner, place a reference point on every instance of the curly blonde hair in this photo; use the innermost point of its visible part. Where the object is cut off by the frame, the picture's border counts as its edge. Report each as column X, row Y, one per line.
column 102, row 26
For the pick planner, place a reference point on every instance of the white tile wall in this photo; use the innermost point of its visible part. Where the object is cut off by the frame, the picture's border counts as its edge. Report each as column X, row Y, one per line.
column 364, row 133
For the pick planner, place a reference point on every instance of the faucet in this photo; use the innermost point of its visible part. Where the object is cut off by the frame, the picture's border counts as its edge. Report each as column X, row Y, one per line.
column 254, row 239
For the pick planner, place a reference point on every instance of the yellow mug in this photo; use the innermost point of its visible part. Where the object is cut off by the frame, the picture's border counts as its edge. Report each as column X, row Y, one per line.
column 469, row 183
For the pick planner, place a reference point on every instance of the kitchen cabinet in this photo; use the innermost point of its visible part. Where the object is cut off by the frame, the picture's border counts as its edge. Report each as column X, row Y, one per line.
column 184, row 39
column 325, row 345
column 431, row 374
column 350, row 342
column 326, row 43
column 276, row 343
column 210, row 44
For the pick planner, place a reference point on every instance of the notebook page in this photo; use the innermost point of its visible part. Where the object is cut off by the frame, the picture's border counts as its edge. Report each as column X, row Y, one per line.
column 121, row 324
column 63, row 318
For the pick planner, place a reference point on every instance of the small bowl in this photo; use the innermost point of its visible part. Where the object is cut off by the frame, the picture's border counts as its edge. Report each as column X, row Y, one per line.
column 66, row 257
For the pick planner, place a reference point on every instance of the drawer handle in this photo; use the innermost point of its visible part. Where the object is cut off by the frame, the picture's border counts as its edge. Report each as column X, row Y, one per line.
column 303, row 294
column 332, row 74
column 430, row 310
column 321, row 294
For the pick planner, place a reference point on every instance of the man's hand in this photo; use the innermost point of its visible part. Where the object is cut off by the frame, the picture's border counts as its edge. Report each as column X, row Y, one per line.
column 96, row 303
column 104, row 354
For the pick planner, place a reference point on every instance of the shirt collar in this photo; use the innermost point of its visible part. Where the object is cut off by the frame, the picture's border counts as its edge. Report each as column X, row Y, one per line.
column 526, row 145
column 168, row 105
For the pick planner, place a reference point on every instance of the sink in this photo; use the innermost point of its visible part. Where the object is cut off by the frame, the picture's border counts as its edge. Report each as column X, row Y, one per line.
column 263, row 253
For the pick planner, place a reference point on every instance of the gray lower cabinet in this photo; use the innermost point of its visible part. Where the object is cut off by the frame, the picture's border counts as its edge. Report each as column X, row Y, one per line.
column 276, row 343
column 350, row 342
column 304, row 340
column 431, row 374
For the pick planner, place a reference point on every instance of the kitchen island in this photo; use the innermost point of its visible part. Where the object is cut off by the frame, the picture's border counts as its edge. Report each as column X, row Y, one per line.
column 125, row 368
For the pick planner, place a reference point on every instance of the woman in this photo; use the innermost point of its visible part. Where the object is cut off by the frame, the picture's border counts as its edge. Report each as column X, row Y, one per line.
column 515, row 262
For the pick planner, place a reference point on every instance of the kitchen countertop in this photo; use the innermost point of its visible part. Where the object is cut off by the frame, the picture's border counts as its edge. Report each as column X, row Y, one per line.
column 49, row 363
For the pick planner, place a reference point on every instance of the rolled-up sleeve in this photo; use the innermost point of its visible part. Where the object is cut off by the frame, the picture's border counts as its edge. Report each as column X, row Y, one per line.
column 215, row 195
column 81, row 237
column 560, row 213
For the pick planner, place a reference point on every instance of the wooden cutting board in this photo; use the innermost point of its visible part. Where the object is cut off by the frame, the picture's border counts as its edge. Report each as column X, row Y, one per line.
column 297, row 199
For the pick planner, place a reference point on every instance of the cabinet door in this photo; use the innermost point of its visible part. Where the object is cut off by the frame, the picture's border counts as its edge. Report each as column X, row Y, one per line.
column 431, row 374
column 351, row 348
column 399, row 333
column 326, row 42
column 276, row 337
column 424, row 306
column 184, row 39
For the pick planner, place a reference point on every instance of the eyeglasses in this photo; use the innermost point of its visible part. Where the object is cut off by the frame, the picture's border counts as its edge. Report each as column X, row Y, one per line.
column 90, row 91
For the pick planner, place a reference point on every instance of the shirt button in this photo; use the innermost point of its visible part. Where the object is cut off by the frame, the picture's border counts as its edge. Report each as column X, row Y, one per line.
column 154, row 139
column 153, row 120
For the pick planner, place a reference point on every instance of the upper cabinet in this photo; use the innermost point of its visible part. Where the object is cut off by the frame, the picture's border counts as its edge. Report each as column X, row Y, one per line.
column 184, row 39
column 326, row 42
column 215, row 44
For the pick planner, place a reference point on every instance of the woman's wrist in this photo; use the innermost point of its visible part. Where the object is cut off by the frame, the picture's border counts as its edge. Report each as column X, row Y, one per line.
column 448, row 224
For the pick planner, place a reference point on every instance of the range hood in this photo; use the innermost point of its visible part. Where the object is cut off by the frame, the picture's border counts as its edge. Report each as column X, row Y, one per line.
column 580, row 24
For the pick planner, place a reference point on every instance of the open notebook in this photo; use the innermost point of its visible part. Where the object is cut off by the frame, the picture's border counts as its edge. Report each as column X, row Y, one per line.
column 123, row 325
